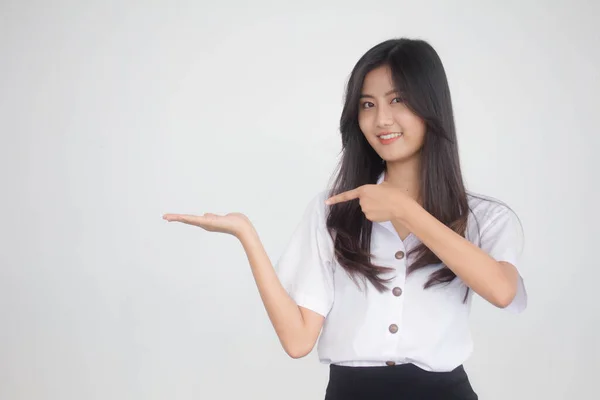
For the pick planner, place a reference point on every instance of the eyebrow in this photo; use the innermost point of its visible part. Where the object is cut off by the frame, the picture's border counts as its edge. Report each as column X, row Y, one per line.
column 372, row 97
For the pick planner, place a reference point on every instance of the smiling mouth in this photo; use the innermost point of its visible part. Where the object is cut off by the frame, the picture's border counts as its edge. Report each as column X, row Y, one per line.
column 391, row 135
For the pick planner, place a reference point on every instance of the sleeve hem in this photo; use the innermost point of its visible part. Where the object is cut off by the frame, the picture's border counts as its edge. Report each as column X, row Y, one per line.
column 519, row 303
column 311, row 303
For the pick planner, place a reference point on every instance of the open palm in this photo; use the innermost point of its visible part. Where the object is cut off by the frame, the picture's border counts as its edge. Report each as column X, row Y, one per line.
column 232, row 223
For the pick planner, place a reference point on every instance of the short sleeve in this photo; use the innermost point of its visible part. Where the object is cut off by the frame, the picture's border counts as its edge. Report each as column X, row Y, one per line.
column 502, row 239
column 305, row 266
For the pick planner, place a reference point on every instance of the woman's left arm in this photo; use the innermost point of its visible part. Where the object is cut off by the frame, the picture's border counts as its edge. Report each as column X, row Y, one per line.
column 495, row 281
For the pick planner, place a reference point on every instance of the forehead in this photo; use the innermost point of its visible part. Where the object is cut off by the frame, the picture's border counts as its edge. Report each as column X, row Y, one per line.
column 378, row 81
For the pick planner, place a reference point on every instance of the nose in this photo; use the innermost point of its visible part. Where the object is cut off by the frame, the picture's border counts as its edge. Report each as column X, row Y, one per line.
column 384, row 117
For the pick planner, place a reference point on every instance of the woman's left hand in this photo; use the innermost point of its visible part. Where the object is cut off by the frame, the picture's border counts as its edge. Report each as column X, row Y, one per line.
column 381, row 202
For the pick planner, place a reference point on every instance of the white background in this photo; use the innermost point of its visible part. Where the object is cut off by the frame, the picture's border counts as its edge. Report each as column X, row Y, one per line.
column 113, row 113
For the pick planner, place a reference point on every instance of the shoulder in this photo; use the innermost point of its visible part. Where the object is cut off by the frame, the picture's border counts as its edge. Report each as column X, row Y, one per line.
column 318, row 199
column 486, row 209
column 490, row 217
column 495, row 227
column 316, row 209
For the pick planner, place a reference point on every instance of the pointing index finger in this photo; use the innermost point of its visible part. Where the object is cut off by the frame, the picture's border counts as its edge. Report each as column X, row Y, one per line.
column 345, row 196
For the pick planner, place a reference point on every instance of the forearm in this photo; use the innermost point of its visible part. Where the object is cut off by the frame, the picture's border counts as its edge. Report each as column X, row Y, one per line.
column 493, row 280
column 286, row 317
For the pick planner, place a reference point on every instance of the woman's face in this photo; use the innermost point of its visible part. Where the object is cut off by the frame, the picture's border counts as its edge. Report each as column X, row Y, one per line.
column 394, row 132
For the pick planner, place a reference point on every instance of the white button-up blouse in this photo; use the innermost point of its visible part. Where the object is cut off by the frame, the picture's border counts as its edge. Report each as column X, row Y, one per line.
column 407, row 324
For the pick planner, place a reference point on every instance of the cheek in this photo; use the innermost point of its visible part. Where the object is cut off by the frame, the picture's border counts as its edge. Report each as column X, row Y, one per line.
column 363, row 123
column 365, row 126
column 413, row 126
column 418, row 131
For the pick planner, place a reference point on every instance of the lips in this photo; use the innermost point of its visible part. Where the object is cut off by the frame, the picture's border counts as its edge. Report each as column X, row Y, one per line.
column 389, row 137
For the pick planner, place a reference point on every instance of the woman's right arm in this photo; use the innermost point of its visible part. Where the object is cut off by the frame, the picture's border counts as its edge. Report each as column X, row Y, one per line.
column 297, row 327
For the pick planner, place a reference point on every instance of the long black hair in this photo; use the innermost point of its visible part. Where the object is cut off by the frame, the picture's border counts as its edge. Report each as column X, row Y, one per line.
column 419, row 76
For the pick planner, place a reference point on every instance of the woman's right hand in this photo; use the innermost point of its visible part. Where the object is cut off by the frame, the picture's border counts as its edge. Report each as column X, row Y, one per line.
column 297, row 328
column 234, row 224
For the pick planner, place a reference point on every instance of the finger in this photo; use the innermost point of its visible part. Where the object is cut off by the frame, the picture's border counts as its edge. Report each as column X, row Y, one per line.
column 173, row 217
column 345, row 196
column 184, row 218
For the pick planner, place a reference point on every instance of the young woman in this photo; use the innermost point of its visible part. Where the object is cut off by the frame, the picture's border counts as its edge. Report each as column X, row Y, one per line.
column 383, row 265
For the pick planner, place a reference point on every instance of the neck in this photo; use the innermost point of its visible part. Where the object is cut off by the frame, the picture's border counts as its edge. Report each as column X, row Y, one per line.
column 405, row 175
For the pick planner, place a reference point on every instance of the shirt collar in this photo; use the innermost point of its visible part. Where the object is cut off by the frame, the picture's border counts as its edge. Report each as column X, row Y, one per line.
column 388, row 224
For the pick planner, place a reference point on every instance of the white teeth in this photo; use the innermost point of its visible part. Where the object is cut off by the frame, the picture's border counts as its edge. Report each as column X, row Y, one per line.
column 390, row 136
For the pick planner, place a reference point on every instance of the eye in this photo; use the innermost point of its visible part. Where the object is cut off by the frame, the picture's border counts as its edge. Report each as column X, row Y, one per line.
column 365, row 103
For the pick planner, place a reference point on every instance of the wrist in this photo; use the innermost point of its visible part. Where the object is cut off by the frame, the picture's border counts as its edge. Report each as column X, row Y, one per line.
column 247, row 233
column 403, row 207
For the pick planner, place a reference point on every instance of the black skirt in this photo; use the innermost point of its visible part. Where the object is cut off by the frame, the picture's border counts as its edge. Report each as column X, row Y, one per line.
column 401, row 382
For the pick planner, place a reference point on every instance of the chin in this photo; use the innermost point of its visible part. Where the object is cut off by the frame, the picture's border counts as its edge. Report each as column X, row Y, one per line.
column 398, row 158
